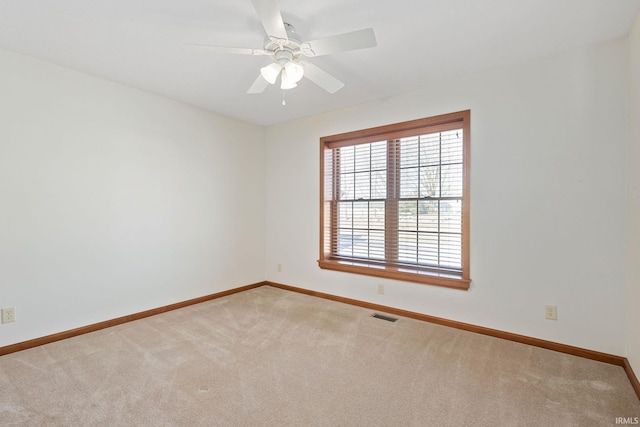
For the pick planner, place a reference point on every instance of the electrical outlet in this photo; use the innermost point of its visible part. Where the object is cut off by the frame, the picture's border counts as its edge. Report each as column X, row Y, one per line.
column 279, row 268
column 8, row 315
column 551, row 312
column 380, row 288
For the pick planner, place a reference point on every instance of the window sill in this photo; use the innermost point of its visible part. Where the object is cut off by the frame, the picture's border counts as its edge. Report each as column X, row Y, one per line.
column 449, row 280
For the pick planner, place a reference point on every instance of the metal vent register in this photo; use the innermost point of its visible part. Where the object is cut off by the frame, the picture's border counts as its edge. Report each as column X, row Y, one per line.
column 383, row 317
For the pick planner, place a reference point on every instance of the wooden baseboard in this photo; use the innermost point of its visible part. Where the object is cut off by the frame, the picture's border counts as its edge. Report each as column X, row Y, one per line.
column 632, row 377
column 120, row 320
column 550, row 345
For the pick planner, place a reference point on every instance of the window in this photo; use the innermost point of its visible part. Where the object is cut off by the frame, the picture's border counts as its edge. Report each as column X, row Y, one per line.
column 395, row 201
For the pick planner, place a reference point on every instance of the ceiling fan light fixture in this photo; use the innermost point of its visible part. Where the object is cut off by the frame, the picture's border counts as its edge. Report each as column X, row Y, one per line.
column 294, row 71
column 287, row 82
column 270, row 72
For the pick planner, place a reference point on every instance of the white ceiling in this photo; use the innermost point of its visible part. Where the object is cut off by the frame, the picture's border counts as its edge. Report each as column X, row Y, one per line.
column 140, row 43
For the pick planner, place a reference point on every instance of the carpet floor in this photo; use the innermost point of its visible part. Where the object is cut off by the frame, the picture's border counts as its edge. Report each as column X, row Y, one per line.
column 269, row 357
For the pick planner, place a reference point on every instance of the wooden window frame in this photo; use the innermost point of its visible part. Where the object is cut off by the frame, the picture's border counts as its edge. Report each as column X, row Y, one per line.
column 328, row 205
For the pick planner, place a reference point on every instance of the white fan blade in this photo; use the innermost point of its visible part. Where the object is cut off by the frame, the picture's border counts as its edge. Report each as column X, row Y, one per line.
column 354, row 40
column 269, row 14
column 259, row 85
column 320, row 77
column 222, row 49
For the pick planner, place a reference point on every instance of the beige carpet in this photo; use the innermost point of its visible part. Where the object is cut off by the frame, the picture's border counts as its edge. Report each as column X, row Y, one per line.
column 268, row 357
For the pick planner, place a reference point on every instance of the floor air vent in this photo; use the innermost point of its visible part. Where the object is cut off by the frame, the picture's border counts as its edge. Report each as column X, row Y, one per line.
column 383, row 317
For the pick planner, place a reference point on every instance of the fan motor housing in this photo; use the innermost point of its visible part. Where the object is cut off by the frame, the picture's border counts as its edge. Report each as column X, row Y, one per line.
column 273, row 44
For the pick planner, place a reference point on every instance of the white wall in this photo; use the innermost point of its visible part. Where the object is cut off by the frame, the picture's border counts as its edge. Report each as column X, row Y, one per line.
column 547, row 207
column 114, row 201
column 633, row 207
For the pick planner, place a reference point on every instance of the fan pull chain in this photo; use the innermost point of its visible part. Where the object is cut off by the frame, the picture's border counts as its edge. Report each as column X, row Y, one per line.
column 284, row 102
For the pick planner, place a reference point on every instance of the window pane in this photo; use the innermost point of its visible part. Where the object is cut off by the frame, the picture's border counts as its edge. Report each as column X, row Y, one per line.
column 407, row 247
column 376, row 244
column 428, row 249
column 376, row 215
column 451, row 146
column 379, row 155
column 345, row 155
column 346, row 187
column 452, row 180
column 428, row 216
column 409, row 152
column 450, row 247
column 430, row 181
column 451, row 216
column 345, row 215
column 379, row 184
column 345, row 243
column 361, row 215
column 430, row 149
column 363, row 157
column 407, row 216
column 409, row 182
column 360, row 243
column 363, row 185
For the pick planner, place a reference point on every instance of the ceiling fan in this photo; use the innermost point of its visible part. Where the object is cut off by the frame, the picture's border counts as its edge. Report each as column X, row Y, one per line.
column 284, row 47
